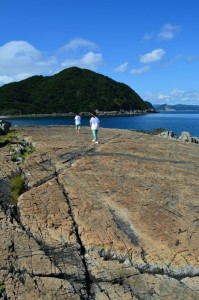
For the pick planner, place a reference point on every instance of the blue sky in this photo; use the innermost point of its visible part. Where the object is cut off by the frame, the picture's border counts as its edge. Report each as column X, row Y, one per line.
column 150, row 45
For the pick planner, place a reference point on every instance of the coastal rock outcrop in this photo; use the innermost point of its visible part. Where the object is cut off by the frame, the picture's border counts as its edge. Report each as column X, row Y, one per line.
column 4, row 126
column 187, row 137
column 184, row 136
column 117, row 220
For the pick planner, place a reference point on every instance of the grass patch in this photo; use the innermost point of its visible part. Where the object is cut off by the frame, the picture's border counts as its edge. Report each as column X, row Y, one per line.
column 16, row 185
column 2, row 288
column 27, row 151
column 8, row 137
column 20, row 153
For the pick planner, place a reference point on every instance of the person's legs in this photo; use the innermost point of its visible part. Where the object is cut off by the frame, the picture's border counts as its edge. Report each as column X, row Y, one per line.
column 78, row 129
column 94, row 135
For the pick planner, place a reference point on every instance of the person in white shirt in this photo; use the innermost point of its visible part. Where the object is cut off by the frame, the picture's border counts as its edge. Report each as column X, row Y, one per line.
column 77, row 123
column 94, row 125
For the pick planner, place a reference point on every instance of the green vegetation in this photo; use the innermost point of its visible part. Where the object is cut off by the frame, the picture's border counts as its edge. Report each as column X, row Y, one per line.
column 8, row 137
column 20, row 154
column 27, row 151
column 71, row 90
column 14, row 155
column 2, row 288
column 16, row 185
column 19, row 150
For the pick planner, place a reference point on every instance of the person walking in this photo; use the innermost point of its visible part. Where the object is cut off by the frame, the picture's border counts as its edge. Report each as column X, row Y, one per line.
column 94, row 125
column 77, row 123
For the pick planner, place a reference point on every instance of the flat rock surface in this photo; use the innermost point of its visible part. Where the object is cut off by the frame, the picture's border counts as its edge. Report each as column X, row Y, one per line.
column 114, row 220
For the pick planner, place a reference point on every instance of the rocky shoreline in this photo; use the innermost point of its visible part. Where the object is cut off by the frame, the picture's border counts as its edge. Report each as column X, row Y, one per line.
column 87, row 114
column 185, row 136
column 118, row 220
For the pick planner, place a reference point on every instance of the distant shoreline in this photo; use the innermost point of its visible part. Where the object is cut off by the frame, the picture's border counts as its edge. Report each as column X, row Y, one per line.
column 85, row 114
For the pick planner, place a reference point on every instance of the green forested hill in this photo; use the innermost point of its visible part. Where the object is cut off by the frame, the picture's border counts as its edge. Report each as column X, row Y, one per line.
column 71, row 90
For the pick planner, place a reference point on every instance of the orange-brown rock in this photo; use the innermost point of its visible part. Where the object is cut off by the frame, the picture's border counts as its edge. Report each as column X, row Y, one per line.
column 117, row 220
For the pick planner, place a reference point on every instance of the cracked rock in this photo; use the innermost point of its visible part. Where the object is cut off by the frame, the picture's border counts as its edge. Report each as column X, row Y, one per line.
column 118, row 220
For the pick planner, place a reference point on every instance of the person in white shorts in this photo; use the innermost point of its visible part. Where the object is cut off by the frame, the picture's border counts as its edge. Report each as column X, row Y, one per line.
column 77, row 123
column 94, row 125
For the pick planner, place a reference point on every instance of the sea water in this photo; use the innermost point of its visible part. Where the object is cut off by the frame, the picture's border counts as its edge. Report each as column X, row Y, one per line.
column 174, row 121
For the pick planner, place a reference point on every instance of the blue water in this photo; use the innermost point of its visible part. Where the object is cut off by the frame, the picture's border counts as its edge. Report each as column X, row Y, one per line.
column 175, row 121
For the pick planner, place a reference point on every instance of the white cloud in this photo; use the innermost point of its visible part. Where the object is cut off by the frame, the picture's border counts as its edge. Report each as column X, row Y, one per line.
column 19, row 50
column 168, row 32
column 90, row 60
column 153, row 56
column 15, row 55
column 122, row 68
column 76, row 43
column 175, row 96
column 140, row 70
column 20, row 60
column 5, row 79
column 16, row 77
column 163, row 96
column 177, row 93
column 47, row 62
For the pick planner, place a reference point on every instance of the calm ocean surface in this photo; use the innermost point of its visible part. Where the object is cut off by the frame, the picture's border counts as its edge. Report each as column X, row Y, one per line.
column 175, row 121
